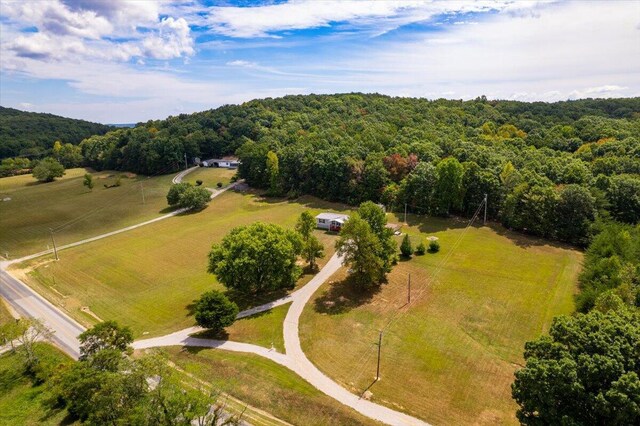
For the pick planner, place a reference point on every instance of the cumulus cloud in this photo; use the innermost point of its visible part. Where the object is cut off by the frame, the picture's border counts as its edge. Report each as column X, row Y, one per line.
column 173, row 40
column 109, row 30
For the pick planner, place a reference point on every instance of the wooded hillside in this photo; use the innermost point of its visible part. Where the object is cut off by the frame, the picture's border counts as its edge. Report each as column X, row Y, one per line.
column 30, row 134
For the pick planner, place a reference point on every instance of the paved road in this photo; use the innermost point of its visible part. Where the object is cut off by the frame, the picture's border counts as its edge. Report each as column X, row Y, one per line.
column 28, row 303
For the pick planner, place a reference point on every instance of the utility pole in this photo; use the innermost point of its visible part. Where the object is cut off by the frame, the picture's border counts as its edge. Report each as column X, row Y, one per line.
column 409, row 290
column 55, row 250
column 405, row 213
column 186, row 165
column 379, row 347
column 485, row 209
column 142, row 190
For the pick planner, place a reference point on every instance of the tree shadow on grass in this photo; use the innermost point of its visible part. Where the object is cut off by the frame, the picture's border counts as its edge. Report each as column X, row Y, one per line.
column 249, row 300
column 343, row 296
column 308, row 201
column 212, row 334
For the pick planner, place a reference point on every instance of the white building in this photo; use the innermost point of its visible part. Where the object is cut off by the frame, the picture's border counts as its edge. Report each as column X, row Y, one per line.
column 226, row 163
column 331, row 221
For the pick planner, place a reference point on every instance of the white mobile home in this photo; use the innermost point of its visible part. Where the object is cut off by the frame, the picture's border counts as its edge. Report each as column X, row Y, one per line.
column 331, row 221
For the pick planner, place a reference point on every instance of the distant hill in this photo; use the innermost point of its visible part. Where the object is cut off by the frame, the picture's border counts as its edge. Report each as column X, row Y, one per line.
column 32, row 134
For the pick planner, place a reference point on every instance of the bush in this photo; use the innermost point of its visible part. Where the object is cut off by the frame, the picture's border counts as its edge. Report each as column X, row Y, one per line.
column 434, row 247
column 198, row 182
column 405, row 248
column 421, row 249
column 215, row 311
column 219, row 184
column 48, row 169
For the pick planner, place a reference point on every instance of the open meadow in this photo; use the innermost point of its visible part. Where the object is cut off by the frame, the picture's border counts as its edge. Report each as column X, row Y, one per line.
column 449, row 356
column 72, row 210
column 148, row 278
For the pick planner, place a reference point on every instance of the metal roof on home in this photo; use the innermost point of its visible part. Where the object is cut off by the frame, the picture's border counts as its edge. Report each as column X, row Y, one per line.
column 332, row 216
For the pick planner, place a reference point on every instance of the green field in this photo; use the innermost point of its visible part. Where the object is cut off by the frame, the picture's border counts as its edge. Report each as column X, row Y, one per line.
column 22, row 402
column 265, row 385
column 210, row 176
column 35, row 207
column 149, row 277
column 449, row 356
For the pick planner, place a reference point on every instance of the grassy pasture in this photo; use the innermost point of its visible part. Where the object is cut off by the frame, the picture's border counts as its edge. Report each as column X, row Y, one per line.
column 265, row 385
column 210, row 176
column 149, row 277
column 450, row 355
column 35, row 207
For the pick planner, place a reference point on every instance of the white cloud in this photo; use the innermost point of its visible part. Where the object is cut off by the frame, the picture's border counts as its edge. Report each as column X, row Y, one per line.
column 112, row 30
column 173, row 41
column 380, row 16
column 242, row 64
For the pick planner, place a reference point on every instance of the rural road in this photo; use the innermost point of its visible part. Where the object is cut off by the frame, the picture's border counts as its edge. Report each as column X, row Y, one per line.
column 65, row 330
column 28, row 303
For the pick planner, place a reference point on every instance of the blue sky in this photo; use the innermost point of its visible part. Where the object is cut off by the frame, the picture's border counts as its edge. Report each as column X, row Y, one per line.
column 122, row 61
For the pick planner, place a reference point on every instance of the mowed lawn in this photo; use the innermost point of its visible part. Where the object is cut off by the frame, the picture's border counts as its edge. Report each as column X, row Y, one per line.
column 149, row 278
column 449, row 356
column 210, row 176
column 265, row 385
column 72, row 210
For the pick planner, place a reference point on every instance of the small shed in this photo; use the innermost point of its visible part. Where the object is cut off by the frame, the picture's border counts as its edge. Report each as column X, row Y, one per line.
column 331, row 221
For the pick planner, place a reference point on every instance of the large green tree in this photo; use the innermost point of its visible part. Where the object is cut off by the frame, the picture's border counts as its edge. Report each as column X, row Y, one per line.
column 48, row 169
column 361, row 249
column 257, row 258
column 585, row 372
column 376, row 217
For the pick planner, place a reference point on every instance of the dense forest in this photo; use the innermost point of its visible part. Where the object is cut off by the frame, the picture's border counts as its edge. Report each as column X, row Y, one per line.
column 32, row 135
